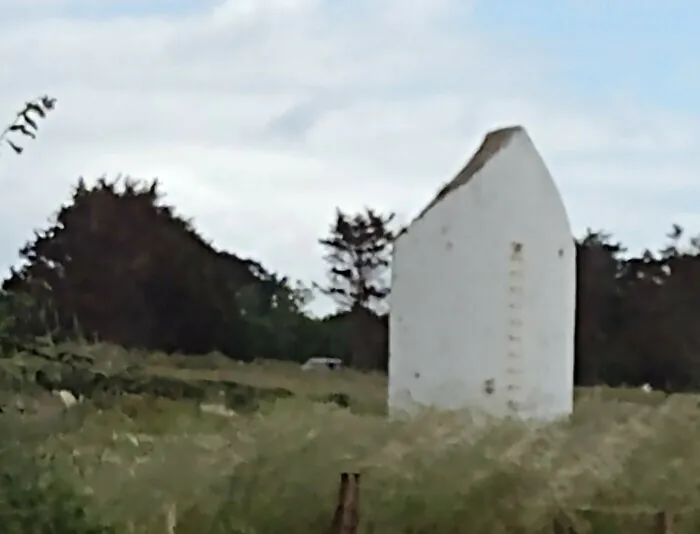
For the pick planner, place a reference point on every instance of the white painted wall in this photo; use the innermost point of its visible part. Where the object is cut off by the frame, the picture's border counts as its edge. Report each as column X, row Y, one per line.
column 466, row 311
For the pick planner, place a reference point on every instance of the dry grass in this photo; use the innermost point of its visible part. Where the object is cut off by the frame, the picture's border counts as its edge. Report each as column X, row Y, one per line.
column 151, row 465
column 368, row 389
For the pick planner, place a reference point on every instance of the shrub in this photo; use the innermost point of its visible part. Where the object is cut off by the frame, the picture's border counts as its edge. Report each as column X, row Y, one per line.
column 35, row 498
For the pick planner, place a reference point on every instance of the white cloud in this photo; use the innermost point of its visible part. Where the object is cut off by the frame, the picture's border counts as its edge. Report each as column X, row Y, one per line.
column 260, row 117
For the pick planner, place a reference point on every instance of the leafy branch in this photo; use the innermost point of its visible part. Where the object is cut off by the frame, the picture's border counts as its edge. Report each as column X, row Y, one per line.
column 25, row 122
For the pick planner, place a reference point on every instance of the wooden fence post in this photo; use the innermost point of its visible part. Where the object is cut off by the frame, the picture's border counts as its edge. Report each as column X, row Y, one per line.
column 663, row 523
column 347, row 510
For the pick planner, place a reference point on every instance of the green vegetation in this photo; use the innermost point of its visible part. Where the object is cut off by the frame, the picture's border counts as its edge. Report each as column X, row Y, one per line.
column 26, row 123
column 118, row 265
column 136, row 463
column 234, row 438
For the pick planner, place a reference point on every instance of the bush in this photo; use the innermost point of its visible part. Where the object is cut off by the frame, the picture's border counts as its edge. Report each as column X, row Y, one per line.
column 35, row 498
column 18, row 317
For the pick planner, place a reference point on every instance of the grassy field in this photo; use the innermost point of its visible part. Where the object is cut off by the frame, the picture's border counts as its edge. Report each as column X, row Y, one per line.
column 143, row 463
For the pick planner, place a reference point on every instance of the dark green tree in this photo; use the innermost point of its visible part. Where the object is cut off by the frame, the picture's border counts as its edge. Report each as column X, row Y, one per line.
column 118, row 265
column 358, row 255
column 598, row 264
column 273, row 310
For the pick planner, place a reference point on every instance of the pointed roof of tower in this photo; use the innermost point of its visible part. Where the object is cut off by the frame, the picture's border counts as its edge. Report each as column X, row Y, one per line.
column 492, row 144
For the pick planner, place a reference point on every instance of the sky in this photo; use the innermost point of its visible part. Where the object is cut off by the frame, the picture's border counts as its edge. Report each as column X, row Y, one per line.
column 260, row 117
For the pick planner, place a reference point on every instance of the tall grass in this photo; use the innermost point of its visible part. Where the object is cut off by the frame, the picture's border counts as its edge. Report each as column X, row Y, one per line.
column 609, row 469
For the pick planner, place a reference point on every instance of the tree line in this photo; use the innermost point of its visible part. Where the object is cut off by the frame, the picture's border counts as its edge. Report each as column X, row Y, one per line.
column 119, row 265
